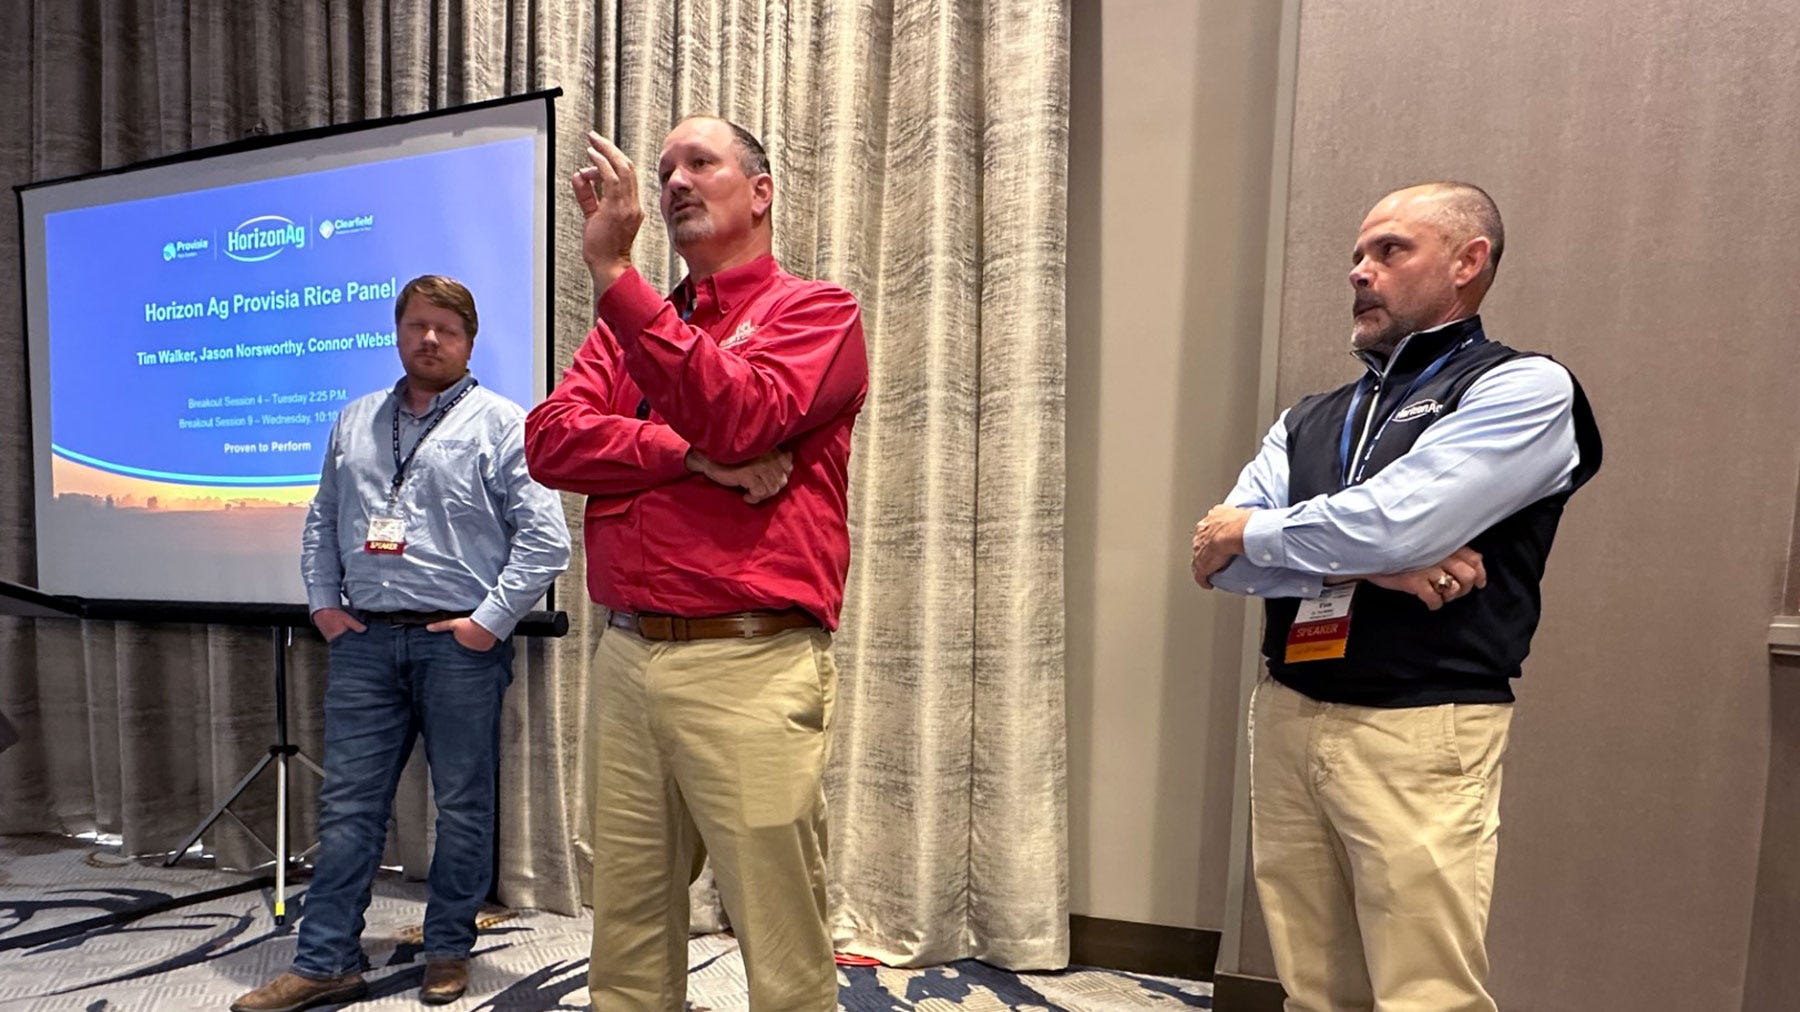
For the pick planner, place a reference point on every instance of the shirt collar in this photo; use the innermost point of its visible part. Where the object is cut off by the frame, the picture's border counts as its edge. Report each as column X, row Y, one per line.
column 1427, row 343
column 438, row 400
column 728, row 287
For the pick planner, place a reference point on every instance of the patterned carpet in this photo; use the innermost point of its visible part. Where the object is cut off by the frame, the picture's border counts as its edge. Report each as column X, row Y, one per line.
column 202, row 955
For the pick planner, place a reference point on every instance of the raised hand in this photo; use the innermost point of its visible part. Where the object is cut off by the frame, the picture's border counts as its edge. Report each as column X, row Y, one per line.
column 612, row 211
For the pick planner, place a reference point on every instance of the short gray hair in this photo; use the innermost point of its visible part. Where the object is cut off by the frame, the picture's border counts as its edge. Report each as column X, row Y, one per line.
column 753, row 158
column 1465, row 212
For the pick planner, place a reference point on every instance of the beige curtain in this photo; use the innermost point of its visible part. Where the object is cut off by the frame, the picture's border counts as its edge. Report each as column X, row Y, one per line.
column 919, row 151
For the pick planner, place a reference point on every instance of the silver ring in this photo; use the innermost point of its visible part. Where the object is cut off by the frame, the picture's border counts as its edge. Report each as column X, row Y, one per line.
column 1444, row 582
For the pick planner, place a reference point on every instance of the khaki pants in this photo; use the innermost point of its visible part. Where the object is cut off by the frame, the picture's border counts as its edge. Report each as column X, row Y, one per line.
column 711, row 747
column 1374, row 833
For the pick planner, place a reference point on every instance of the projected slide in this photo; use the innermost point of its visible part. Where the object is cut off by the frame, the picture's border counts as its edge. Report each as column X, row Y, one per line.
column 224, row 330
column 193, row 347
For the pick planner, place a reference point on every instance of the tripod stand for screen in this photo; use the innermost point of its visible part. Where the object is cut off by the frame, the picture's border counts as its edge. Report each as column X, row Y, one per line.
column 279, row 754
column 281, row 620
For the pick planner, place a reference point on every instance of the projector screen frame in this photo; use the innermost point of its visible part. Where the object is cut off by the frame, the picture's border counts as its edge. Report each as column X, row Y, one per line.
column 549, row 621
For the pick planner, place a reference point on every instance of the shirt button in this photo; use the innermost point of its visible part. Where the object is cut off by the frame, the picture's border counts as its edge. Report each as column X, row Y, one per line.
column 1249, row 590
column 1334, row 567
column 1266, row 557
column 384, row 583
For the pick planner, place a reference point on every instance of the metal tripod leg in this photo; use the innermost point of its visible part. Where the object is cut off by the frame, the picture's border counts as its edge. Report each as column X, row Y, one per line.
column 279, row 754
column 219, row 810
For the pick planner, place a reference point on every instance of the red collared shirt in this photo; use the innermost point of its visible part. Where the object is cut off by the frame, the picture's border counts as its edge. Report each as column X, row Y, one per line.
column 765, row 361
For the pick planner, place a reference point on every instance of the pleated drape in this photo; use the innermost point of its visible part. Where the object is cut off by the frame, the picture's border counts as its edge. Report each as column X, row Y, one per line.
column 919, row 151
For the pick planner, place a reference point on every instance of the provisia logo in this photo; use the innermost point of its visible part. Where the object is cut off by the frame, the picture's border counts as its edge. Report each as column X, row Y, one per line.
column 263, row 237
column 184, row 249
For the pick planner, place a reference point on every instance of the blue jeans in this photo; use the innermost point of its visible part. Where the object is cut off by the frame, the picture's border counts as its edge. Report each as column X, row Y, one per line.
column 386, row 687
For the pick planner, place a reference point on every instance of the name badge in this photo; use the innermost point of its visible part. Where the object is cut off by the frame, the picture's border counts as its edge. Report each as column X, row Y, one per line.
column 387, row 535
column 1321, row 631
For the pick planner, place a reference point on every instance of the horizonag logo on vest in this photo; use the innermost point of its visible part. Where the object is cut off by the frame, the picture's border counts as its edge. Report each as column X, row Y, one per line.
column 1418, row 409
column 263, row 237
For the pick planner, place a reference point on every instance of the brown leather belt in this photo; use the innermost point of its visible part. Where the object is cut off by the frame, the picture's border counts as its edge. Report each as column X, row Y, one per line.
column 412, row 617
column 743, row 625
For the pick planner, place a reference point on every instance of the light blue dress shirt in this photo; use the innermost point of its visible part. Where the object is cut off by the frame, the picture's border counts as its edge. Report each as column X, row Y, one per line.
column 1509, row 443
column 481, row 536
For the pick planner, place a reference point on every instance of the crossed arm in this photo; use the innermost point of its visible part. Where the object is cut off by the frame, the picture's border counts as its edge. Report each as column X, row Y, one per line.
column 1510, row 443
column 576, row 442
column 724, row 415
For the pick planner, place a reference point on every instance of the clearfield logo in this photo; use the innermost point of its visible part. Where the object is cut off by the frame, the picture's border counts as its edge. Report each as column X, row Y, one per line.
column 263, row 237
column 346, row 226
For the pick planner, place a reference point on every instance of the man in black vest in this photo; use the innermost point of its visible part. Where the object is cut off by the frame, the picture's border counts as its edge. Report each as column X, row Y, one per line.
column 1397, row 528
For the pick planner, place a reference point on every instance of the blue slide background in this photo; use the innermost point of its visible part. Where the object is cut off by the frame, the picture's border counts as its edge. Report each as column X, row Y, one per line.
column 467, row 213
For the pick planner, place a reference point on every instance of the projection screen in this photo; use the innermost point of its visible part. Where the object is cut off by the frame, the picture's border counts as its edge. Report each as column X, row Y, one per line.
column 195, row 324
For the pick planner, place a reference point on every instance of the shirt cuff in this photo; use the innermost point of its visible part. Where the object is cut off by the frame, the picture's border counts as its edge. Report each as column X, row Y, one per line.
column 1240, row 576
column 629, row 305
column 1263, row 544
column 318, row 598
column 494, row 619
column 667, row 453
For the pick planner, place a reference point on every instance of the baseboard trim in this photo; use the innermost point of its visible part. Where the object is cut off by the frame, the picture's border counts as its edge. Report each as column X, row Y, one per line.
column 1155, row 949
column 1236, row 992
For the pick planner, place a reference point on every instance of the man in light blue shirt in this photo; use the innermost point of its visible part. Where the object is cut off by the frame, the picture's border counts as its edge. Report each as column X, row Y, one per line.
column 1398, row 529
column 1512, row 443
column 426, row 543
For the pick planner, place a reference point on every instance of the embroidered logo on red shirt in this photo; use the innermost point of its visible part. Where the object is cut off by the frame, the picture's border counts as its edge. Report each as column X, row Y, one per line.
column 740, row 335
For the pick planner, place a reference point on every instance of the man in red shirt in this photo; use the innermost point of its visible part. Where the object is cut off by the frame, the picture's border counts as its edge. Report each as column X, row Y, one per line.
column 710, row 431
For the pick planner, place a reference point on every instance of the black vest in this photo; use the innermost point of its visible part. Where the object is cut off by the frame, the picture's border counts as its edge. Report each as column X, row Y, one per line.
column 1400, row 653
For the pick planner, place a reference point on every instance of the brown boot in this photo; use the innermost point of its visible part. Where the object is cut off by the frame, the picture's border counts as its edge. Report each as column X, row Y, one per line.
column 291, row 992
column 445, row 981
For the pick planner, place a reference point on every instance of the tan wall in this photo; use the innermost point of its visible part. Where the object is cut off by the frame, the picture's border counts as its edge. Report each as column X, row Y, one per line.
column 1773, row 975
column 1168, row 213
column 1643, row 155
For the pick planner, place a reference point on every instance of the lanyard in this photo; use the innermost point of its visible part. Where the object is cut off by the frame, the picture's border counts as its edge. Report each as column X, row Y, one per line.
column 1368, row 448
column 402, row 463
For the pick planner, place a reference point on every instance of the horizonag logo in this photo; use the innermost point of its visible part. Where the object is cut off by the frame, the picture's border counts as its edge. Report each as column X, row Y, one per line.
column 263, row 237
column 1418, row 409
